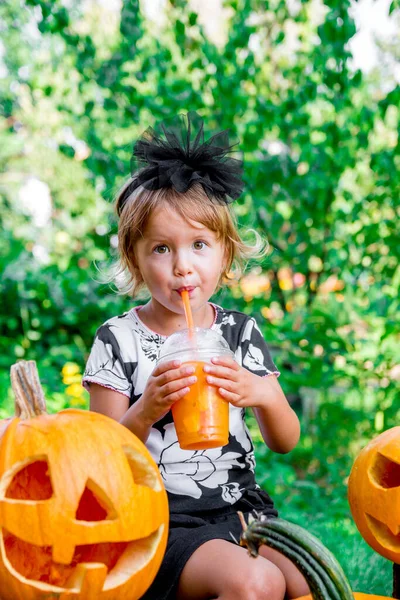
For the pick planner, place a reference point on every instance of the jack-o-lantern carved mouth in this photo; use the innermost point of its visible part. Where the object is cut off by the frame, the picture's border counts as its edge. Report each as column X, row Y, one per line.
column 383, row 535
column 115, row 562
column 120, row 559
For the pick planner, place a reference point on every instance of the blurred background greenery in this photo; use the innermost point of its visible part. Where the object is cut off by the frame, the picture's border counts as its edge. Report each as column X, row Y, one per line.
column 80, row 80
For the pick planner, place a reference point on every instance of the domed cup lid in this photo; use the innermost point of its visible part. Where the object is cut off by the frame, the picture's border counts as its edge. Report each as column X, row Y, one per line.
column 203, row 345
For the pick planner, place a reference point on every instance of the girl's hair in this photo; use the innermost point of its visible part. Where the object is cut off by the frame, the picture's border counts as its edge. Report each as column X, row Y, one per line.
column 193, row 205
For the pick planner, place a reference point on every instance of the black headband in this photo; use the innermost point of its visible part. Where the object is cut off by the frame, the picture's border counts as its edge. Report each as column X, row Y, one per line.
column 182, row 158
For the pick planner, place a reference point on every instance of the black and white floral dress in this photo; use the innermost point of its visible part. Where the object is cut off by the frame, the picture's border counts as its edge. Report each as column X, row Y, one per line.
column 205, row 488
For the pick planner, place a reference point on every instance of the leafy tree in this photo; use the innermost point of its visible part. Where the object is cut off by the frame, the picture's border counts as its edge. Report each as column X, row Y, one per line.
column 321, row 156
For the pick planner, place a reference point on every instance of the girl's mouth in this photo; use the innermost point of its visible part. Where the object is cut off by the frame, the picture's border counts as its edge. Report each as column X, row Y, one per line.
column 189, row 288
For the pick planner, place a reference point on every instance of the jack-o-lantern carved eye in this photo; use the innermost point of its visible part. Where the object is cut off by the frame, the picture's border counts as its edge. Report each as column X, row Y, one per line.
column 141, row 473
column 385, row 472
column 31, row 481
column 94, row 505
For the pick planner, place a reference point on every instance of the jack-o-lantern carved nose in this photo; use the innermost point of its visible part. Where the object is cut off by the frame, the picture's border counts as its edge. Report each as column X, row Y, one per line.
column 385, row 472
column 94, row 505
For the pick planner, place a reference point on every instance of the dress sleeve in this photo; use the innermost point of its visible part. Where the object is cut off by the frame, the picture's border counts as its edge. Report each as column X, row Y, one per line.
column 105, row 365
column 256, row 357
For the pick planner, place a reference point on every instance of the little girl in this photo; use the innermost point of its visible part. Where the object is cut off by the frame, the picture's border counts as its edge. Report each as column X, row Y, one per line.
column 176, row 232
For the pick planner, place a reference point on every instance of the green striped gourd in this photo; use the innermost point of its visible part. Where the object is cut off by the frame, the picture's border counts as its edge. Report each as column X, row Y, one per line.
column 320, row 568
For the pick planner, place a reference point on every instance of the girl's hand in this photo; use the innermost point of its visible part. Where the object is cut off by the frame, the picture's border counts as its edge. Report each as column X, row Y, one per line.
column 278, row 422
column 168, row 383
column 235, row 383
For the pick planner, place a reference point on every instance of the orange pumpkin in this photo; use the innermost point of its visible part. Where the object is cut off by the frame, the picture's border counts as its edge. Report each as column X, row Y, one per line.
column 83, row 511
column 374, row 494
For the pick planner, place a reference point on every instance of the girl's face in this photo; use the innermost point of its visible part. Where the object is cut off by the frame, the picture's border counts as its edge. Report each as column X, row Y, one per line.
column 175, row 254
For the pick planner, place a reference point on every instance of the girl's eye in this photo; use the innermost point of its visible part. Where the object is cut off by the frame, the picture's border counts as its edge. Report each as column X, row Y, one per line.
column 199, row 245
column 162, row 249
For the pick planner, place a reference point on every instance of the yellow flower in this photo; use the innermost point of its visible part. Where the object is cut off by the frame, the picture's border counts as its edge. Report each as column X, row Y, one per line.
column 70, row 368
column 73, row 379
column 71, row 373
column 75, row 390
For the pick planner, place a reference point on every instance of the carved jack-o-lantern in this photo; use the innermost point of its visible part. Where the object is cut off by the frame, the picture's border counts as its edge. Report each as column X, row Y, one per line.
column 374, row 494
column 83, row 511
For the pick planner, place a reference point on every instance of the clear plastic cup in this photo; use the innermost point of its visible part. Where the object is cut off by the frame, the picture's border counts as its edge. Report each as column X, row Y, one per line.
column 202, row 416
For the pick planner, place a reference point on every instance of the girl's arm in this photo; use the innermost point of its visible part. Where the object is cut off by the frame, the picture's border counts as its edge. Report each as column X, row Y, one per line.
column 116, row 405
column 278, row 423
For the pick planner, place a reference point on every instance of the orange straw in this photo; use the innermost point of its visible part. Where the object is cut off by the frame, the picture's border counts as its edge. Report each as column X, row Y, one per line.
column 188, row 311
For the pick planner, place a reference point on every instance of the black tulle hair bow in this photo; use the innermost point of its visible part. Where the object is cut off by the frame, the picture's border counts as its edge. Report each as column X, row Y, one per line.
column 175, row 154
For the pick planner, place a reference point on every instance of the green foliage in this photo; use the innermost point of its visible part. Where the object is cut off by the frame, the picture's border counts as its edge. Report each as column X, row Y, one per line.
column 321, row 150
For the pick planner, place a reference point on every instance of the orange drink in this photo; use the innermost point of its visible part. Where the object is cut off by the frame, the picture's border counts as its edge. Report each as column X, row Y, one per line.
column 202, row 416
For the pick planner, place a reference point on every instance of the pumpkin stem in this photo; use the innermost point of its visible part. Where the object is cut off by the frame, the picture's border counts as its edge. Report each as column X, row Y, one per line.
column 29, row 397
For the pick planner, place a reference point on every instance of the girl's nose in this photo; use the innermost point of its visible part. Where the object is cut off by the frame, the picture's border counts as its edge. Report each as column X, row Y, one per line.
column 183, row 265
